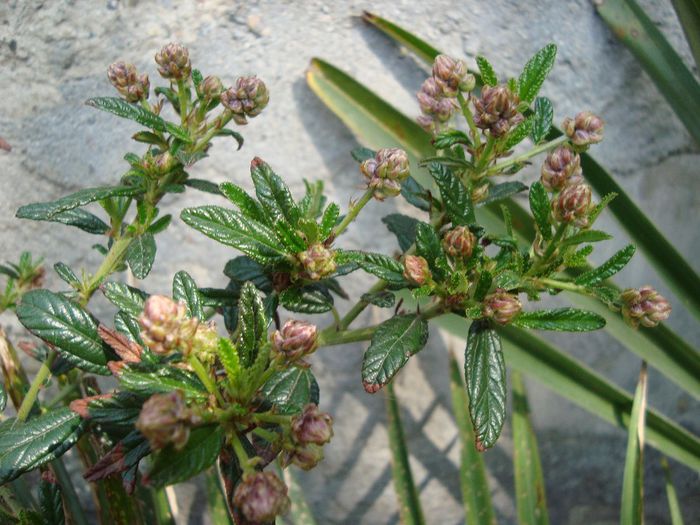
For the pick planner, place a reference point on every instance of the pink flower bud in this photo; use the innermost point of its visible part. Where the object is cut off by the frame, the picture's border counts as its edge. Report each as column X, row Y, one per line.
column 210, row 88
column 165, row 327
column 126, row 80
column 386, row 171
column 416, row 270
column 573, row 205
column 459, row 242
column 561, row 168
column 296, row 339
column 497, row 110
column 261, row 497
column 305, row 456
column 318, row 261
column 174, row 62
column 584, row 129
column 165, row 419
column 452, row 75
column 433, row 101
column 246, row 99
column 501, row 306
column 312, row 426
column 644, row 306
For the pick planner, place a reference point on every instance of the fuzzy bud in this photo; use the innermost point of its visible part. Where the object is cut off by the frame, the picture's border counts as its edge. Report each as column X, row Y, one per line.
column 246, row 99
column 573, row 205
column 501, row 306
column 452, row 75
column 386, row 171
column 296, row 339
column 210, row 88
column 584, row 129
column 416, row 270
column 164, row 325
column 318, row 261
column 459, row 242
column 174, row 62
column 261, row 497
column 644, row 306
column 561, row 168
column 305, row 456
column 165, row 419
column 480, row 193
column 497, row 110
column 433, row 102
column 127, row 81
column 312, row 426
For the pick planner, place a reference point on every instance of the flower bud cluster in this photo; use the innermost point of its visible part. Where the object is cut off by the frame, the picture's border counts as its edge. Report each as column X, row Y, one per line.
column 497, row 110
column 165, row 419
column 318, row 262
column 261, row 497
column 310, row 430
column 132, row 86
column 385, row 172
column 644, row 306
column 295, row 340
column 573, row 205
column 584, row 129
column 459, row 242
column 436, row 96
column 246, row 99
column 501, row 306
column 416, row 270
column 561, row 168
column 174, row 62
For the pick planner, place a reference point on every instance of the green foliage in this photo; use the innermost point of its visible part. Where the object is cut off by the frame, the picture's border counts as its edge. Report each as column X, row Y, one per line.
column 609, row 268
column 632, row 510
column 535, row 72
column 291, row 389
column 488, row 75
column 561, row 320
column 542, row 119
column 140, row 255
column 252, row 324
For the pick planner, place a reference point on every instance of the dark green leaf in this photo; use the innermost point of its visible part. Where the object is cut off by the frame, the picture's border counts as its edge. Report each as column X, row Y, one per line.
column 517, row 135
column 140, row 255
column 3, row 398
column 311, row 299
column 586, row 236
column 415, row 194
column 378, row 265
column 290, row 389
column 160, row 225
column 124, row 297
column 164, row 380
column 503, row 191
column 83, row 220
column 404, row 227
column 394, row 341
column 485, row 374
column 252, row 324
column 560, row 319
column 451, row 137
column 290, row 239
column 542, row 120
column 50, row 501
column 242, row 269
column 488, row 75
column 483, row 285
column 454, row 195
column 539, row 205
column 428, row 246
column 507, row 280
column 247, row 204
column 230, row 133
column 185, row 290
column 609, row 268
column 382, row 299
column 203, row 185
column 329, row 219
column 66, row 274
column 535, row 72
column 273, row 193
column 148, row 137
column 361, row 154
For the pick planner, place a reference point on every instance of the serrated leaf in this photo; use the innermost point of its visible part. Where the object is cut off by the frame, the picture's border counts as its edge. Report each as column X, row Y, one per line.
column 311, row 299
column 241, row 269
column 561, row 320
column 415, row 194
column 233, row 134
column 455, row 197
column 252, row 324
column 67, row 326
column 428, row 246
column 290, row 239
column 379, row 265
column 124, row 456
column 502, row 191
column 609, row 268
column 535, row 72
column 228, row 355
column 542, row 119
column 539, row 205
column 517, row 135
column 173, row 466
column 394, row 341
column 25, row 446
column 485, row 374
column 488, row 75
column 124, row 297
column 585, row 236
column 404, row 227
column 451, row 137
column 273, row 193
column 140, row 255
column 51, row 502
column 382, row 299
column 289, row 390
column 247, row 204
column 185, row 290
column 165, row 379
column 330, row 217
column 66, row 274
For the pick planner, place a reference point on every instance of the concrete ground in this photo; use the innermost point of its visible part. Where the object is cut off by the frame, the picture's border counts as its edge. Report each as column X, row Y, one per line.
column 53, row 56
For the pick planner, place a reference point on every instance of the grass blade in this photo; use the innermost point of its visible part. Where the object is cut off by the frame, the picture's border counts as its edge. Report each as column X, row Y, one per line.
column 673, row 505
column 406, row 491
column 529, row 481
column 300, row 512
column 632, row 511
column 476, row 495
column 421, row 48
column 631, row 25
column 218, row 510
column 688, row 12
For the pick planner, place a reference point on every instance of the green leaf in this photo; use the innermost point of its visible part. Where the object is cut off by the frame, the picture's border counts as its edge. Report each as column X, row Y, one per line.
column 173, row 466
column 329, row 219
column 124, row 297
column 273, row 193
column 362, row 154
column 424, row 50
column 535, row 72
column 688, row 12
column 3, row 398
column 394, row 341
column 586, row 236
column 122, row 108
column 247, row 204
column 539, row 205
column 241, row 269
column 451, row 137
column 51, row 502
column 633, row 27
column 476, row 495
column 311, row 299
column 66, row 274
column 404, row 227
column 25, row 446
column 561, row 320
column 67, row 326
column 503, row 191
column 252, row 324
column 542, row 120
column 164, row 380
column 609, row 268
column 518, row 134
column 529, row 480
column 632, row 508
column 160, row 224
column 382, row 299
column 456, row 198
column 428, row 246
column 415, row 194
column 673, row 505
column 83, row 220
column 140, row 255
column 185, row 290
column 290, row 389
column 233, row 229
column 233, row 134
column 410, row 509
column 379, row 265
column 203, row 185
column 488, row 75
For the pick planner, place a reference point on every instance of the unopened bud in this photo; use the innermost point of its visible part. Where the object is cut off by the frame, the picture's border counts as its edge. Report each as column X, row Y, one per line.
column 573, row 205
column 164, row 326
column 480, row 193
column 127, row 81
column 318, row 261
column 174, row 62
column 561, row 168
column 452, row 75
column 261, row 497
column 386, row 171
column 296, row 339
column 584, row 129
column 433, row 101
column 459, row 242
column 246, row 99
column 312, row 426
column 501, row 306
column 644, row 306
column 205, row 342
column 165, row 419
column 210, row 88
column 416, row 270
column 305, row 456
column 497, row 110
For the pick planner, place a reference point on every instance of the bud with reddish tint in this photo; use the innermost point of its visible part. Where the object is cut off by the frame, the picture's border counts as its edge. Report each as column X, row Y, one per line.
column 416, row 270
column 452, row 75
column 501, row 306
column 210, row 88
column 480, row 192
column 246, row 99
column 261, row 497
column 573, row 205
column 584, row 129
column 174, row 62
column 386, row 171
column 296, row 339
column 434, row 103
column 459, row 242
column 318, row 261
column 305, row 456
column 562, row 167
column 160, row 323
column 644, row 306
column 165, row 419
column 312, row 426
column 497, row 110
column 127, row 81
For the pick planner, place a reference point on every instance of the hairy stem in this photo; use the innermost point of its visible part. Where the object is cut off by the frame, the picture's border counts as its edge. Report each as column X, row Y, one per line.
column 203, row 376
column 499, row 167
column 353, row 212
column 41, row 376
column 551, row 248
column 464, row 104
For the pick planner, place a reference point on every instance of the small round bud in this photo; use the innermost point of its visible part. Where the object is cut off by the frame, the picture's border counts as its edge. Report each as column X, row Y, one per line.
column 644, row 306
column 497, row 110
column 427, row 123
column 573, row 205
column 261, row 497
column 305, row 456
column 459, row 242
column 416, row 270
column 501, row 306
column 246, row 99
column 584, row 129
column 128, row 83
column 165, row 419
column 205, row 342
column 386, row 171
column 312, row 426
column 295, row 340
column 562, row 167
column 318, row 261
column 384, row 188
column 452, row 75
column 160, row 323
column 433, row 102
column 174, row 62
column 210, row 88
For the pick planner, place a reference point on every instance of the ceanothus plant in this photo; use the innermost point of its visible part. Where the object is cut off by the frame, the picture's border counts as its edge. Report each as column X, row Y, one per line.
column 188, row 397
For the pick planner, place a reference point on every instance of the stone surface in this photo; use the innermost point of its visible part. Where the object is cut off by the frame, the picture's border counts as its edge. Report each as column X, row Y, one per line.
column 54, row 56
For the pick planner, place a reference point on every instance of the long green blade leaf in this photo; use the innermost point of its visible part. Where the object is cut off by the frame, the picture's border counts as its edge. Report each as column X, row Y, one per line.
column 300, row 512
column 673, row 505
column 632, row 511
column 688, row 12
column 421, row 48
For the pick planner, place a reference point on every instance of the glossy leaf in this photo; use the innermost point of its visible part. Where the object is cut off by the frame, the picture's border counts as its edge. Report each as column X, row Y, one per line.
column 241, row 269
column 125, row 297
column 503, row 191
column 455, row 196
column 542, row 119
column 247, row 204
column 290, row 389
column 561, row 320
column 83, row 220
column 185, row 290
column 535, row 72
column 311, row 299
column 50, row 501
column 252, row 324
column 379, row 265
column 273, row 194
column 632, row 510
column 520, row 133
column 404, row 227
column 164, row 380
column 382, row 299
column 539, row 205
column 428, row 246
column 66, row 274
column 329, row 219
column 488, row 75
column 140, row 255
column 609, row 268
column 203, row 185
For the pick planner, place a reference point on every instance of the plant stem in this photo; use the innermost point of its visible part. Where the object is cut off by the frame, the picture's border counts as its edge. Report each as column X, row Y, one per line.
column 41, row 376
column 182, row 99
column 484, row 157
column 562, row 285
column 267, row 435
column 359, row 307
column 114, row 258
column 217, row 126
column 497, row 168
column 551, row 247
column 203, row 376
column 353, row 212
column 241, row 454
column 463, row 103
